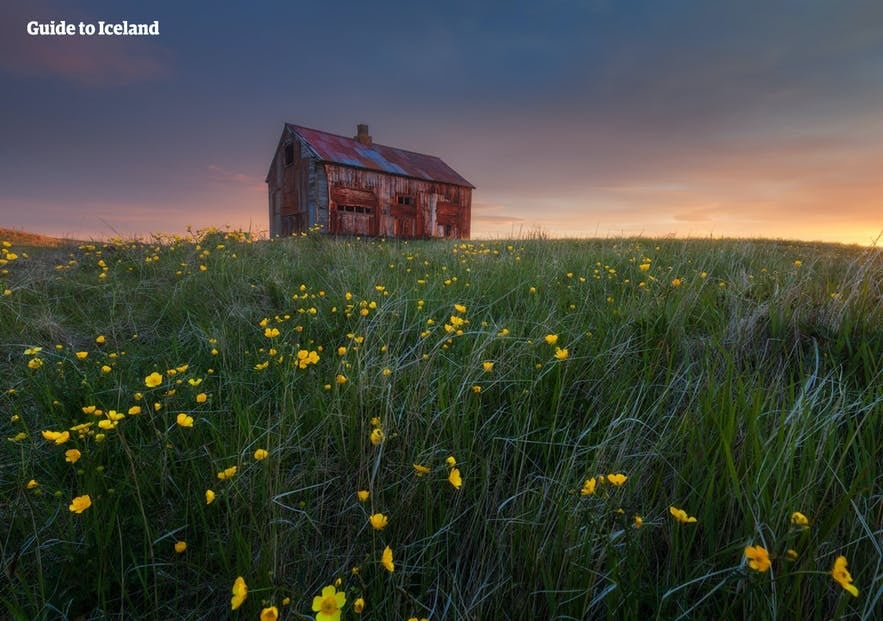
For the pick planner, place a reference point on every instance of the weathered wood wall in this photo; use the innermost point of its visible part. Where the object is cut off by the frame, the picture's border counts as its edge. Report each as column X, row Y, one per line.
column 345, row 200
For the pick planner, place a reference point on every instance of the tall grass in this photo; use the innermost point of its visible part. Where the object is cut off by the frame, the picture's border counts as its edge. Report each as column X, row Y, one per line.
column 739, row 381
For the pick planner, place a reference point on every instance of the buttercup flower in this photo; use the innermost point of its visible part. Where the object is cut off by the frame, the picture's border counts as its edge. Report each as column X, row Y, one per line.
column 59, row 437
column 420, row 470
column 616, row 479
column 153, row 380
column 639, row 521
column 180, row 547
column 228, row 473
column 240, row 592
column 328, row 604
column 80, row 504
column 842, row 576
column 551, row 339
column 454, row 478
column 487, row 366
column 378, row 521
column 270, row 614
column 798, row 519
column 184, row 420
column 589, row 487
column 386, row 559
column 72, row 455
column 362, row 495
column 758, row 558
column 681, row 516
column 561, row 353
column 260, row 454
column 209, row 496
column 32, row 484
column 359, row 606
column 377, row 436
column 451, row 461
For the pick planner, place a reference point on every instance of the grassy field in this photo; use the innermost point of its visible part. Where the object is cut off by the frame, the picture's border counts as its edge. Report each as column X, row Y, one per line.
column 530, row 429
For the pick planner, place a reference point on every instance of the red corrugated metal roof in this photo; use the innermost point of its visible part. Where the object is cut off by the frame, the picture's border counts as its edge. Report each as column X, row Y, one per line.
column 350, row 152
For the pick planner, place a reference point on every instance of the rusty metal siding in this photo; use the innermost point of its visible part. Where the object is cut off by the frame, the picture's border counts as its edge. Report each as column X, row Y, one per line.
column 381, row 158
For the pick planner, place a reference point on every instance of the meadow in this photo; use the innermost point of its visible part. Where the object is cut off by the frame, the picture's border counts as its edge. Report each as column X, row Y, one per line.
column 209, row 427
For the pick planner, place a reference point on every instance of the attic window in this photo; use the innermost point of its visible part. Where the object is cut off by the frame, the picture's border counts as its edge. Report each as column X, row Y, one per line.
column 289, row 154
column 404, row 199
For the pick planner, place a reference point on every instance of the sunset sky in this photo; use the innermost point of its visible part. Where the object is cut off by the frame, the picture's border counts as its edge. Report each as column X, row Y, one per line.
column 577, row 118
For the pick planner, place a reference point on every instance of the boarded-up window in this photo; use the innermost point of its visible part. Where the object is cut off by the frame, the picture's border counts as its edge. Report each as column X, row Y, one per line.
column 447, row 218
column 354, row 211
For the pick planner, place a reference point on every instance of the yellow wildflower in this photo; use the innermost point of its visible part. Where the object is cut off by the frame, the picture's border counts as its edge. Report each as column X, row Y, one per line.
column 328, row 604
column 362, row 495
column 180, row 547
column 616, row 479
column 378, row 521
column 32, row 484
column 153, row 380
column 386, row 560
column 228, row 473
column 340, row 378
column 420, row 470
column 798, row 519
column 59, row 437
column 377, row 436
column 842, row 576
column 81, row 355
column 639, row 521
column 72, row 455
column 201, row 397
column 589, row 487
column 487, row 366
column 451, row 461
column 80, row 504
column 359, row 606
column 260, row 454
column 455, row 479
column 561, row 353
column 270, row 614
column 681, row 516
column 551, row 339
column 240, row 592
column 209, row 496
column 271, row 333
column 758, row 558
column 184, row 420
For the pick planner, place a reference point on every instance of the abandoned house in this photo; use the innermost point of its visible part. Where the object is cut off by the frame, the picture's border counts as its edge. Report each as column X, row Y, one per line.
column 352, row 186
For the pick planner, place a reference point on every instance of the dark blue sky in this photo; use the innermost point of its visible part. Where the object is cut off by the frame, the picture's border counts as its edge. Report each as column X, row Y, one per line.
column 576, row 117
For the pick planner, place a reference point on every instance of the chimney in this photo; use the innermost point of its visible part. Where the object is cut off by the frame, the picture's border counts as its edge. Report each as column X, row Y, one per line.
column 362, row 134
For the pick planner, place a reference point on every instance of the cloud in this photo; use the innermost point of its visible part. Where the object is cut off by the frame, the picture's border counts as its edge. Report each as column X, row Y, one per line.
column 90, row 61
column 219, row 174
